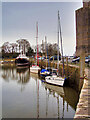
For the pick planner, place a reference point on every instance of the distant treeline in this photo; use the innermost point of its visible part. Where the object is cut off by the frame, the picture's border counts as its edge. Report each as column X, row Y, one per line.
column 12, row 50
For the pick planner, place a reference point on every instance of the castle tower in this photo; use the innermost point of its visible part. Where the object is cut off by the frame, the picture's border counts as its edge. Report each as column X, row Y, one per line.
column 83, row 29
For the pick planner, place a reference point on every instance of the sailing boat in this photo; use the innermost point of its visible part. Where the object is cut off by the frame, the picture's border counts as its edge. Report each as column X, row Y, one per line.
column 47, row 71
column 35, row 68
column 22, row 60
column 55, row 79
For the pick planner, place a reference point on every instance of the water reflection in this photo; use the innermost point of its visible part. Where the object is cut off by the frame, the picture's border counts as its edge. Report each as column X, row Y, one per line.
column 21, row 75
column 56, row 92
column 9, row 73
column 68, row 94
column 54, row 101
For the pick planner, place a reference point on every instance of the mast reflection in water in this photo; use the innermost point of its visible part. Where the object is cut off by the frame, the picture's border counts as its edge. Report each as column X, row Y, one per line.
column 24, row 95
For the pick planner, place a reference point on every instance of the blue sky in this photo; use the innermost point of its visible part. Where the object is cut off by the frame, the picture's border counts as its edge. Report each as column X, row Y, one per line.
column 19, row 21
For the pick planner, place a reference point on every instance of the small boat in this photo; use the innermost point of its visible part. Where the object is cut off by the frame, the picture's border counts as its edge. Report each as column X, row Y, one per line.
column 45, row 72
column 22, row 60
column 35, row 68
column 56, row 79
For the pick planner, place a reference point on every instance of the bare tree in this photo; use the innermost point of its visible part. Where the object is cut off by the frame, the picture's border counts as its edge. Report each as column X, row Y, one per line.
column 6, row 47
column 14, row 47
column 23, row 45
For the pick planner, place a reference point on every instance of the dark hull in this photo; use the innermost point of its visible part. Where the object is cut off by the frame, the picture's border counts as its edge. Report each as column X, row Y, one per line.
column 22, row 62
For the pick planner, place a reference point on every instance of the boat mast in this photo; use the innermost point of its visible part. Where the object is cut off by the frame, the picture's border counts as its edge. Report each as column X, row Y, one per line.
column 46, row 50
column 37, row 62
column 61, row 45
column 58, row 45
column 47, row 64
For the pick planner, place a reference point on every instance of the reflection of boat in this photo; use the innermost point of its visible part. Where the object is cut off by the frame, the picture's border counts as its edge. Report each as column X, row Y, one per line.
column 23, row 75
column 33, row 75
column 57, row 79
column 22, row 70
column 35, row 68
column 22, row 60
column 65, row 93
column 35, row 78
column 57, row 89
column 20, row 75
column 71, row 99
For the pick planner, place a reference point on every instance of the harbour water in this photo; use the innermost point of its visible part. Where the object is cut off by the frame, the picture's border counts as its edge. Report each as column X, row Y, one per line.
column 26, row 95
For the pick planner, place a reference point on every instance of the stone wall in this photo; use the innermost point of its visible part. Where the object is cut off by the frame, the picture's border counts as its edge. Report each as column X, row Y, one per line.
column 83, row 29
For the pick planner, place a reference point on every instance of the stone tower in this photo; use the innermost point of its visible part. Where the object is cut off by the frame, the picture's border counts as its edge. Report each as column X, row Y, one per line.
column 83, row 29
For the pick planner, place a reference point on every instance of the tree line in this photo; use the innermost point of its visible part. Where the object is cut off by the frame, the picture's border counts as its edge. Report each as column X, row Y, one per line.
column 12, row 50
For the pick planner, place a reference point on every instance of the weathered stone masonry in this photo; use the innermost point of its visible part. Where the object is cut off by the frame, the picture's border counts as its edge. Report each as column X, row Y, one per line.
column 83, row 29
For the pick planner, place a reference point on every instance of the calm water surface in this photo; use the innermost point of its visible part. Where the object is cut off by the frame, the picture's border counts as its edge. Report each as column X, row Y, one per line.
column 25, row 95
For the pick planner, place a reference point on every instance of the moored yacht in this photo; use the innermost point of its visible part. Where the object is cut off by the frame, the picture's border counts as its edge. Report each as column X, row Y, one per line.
column 35, row 68
column 22, row 60
column 56, row 79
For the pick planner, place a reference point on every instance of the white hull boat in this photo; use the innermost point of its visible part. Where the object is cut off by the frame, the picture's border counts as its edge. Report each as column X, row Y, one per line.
column 55, row 80
column 35, row 69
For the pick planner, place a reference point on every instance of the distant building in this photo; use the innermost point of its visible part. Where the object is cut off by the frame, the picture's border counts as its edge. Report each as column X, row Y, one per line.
column 83, row 29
